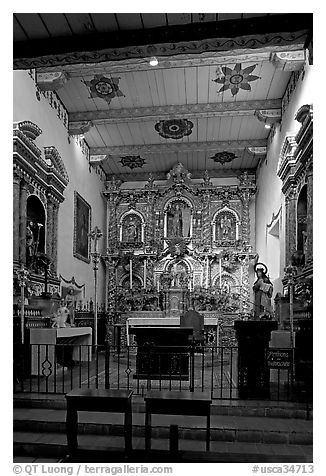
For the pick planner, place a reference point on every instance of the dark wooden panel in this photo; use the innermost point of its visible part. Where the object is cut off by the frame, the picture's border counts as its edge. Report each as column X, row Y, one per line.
column 104, row 22
column 80, row 23
column 129, row 21
column 153, row 20
column 18, row 32
column 202, row 17
column 32, row 25
column 179, row 18
column 56, row 24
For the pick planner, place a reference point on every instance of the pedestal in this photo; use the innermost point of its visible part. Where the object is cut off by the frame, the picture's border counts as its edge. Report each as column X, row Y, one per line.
column 253, row 339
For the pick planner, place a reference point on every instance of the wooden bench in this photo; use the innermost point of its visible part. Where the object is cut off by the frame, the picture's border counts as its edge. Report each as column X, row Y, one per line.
column 95, row 400
column 177, row 403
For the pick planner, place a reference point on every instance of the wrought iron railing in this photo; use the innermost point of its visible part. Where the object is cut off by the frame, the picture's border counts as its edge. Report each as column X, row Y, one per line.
column 56, row 369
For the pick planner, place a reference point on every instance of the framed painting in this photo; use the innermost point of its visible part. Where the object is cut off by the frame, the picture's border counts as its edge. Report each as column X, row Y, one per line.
column 82, row 228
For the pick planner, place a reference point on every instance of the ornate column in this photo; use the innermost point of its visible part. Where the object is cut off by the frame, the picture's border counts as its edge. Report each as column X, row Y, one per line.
column 206, row 223
column 16, row 210
column 49, row 228
column 55, row 237
column 113, row 237
column 23, row 218
column 245, row 284
column 290, row 227
column 309, row 256
column 245, row 222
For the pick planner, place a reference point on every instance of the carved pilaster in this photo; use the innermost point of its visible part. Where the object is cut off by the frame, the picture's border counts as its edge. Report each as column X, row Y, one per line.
column 113, row 237
column 309, row 256
column 55, row 237
column 23, row 218
column 245, row 286
column 16, row 211
column 290, row 227
column 206, row 233
column 49, row 229
column 245, row 198
column 149, row 237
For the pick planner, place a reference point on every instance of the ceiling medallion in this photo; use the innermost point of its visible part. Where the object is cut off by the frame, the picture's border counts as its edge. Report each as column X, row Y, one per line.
column 236, row 78
column 104, row 88
column 132, row 161
column 223, row 157
column 174, row 128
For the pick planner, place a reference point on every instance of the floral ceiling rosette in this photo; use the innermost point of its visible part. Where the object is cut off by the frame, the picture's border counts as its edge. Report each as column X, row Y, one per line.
column 104, row 88
column 236, row 79
column 174, row 128
column 224, row 157
column 132, row 161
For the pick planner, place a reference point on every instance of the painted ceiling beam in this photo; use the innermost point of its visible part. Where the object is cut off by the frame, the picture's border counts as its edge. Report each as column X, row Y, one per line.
column 195, row 174
column 213, row 58
column 177, row 147
column 191, row 111
column 194, row 38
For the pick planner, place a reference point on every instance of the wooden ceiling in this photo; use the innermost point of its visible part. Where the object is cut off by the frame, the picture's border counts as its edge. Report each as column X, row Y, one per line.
column 117, row 100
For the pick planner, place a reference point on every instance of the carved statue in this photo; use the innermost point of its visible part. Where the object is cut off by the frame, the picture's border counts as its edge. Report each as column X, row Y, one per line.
column 131, row 230
column 177, row 222
column 60, row 318
column 29, row 243
column 69, row 301
column 263, row 290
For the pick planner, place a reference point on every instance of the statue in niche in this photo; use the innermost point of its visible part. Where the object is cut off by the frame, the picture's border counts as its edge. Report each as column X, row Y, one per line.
column 30, row 243
column 131, row 229
column 178, row 220
column 226, row 227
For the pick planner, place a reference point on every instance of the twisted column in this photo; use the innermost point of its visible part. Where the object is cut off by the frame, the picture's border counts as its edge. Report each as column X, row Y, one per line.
column 16, row 210
column 23, row 219
column 49, row 229
column 291, row 219
column 309, row 215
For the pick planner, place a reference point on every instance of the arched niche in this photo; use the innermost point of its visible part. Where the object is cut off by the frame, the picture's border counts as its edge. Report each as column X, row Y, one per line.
column 226, row 282
column 179, row 272
column 302, row 220
column 225, row 225
column 132, row 227
column 178, row 218
column 35, row 228
column 137, row 282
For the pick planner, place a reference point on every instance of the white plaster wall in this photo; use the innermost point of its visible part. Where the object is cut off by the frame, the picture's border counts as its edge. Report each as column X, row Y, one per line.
column 269, row 197
column 86, row 183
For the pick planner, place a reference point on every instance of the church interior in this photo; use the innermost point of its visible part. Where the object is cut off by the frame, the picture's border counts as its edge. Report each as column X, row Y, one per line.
column 163, row 232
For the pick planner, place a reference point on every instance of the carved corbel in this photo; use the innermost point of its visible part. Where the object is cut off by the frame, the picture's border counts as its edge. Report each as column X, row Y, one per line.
column 79, row 128
column 269, row 116
column 288, row 60
column 51, row 81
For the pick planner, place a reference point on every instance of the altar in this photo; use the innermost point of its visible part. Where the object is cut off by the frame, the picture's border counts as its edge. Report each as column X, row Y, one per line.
column 158, row 319
column 44, row 342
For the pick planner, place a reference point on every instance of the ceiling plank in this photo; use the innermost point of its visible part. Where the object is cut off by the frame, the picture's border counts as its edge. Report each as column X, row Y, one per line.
column 57, row 24
column 81, row 23
column 32, row 25
column 111, row 116
column 153, row 20
column 104, row 22
column 174, row 147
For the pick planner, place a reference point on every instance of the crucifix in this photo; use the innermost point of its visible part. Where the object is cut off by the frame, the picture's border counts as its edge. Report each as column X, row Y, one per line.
column 95, row 235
